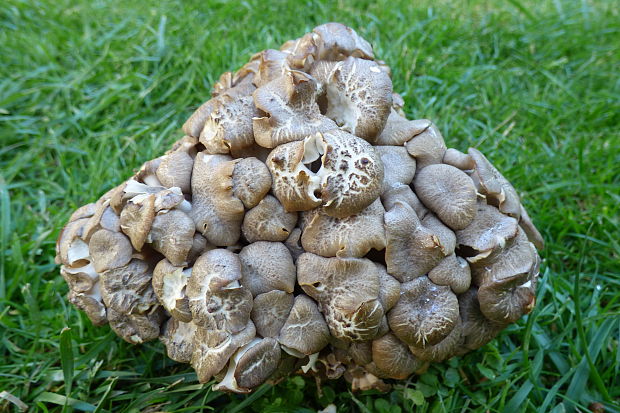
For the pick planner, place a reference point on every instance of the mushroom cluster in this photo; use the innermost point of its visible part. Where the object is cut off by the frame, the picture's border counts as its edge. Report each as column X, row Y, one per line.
column 304, row 224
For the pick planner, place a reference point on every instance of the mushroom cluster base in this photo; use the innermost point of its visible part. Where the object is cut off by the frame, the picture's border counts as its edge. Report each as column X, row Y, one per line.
column 304, row 225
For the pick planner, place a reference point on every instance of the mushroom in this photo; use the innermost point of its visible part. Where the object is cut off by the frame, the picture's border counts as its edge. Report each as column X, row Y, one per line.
column 136, row 328
column 169, row 283
column 267, row 266
column 346, row 179
column 398, row 130
column 270, row 311
column 398, row 166
column 109, row 250
column 136, row 219
column 175, row 169
column 449, row 193
column 403, row 193
column 458, row 159
column 216, row 299
column 498, row 191
column 178, row 337
column 128, row 289
column 304, row 332
column 411, row 249
column 428, row 147
column 347, row 290
column 251, row 366
column 392, row 359
column 172, row 234
column 251, row 181
column 352, row 236
column 452, row 271
column 477, row 330
column 216, row 211
column 445, row 349
column 359, row 95
column 268, row 221
column 335, row 41
column 425, row 313
column 292, row 112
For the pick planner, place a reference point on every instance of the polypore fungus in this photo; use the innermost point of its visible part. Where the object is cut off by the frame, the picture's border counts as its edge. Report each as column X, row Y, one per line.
column 304, row 224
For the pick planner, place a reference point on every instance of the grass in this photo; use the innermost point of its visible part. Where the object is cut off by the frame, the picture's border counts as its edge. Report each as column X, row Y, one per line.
column 91, row 89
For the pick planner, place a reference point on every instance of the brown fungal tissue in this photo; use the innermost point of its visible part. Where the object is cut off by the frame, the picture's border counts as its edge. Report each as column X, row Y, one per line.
column 304, row 225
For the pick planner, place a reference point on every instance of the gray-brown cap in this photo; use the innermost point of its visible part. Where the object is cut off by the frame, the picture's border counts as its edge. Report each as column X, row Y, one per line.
column 128, row 289
column 452, row 271
column 392, row 359
column 267, row 266
column 305, row 331
column 169, row 283
column 268, row 221
column 178, row 337
column 428, row 147
column 109, row 250
column 399, row 167
column 270, row 311
column 136, row 328
column 398, row 130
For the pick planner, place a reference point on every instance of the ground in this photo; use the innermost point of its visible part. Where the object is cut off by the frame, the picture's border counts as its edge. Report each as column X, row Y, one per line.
column 90, row 89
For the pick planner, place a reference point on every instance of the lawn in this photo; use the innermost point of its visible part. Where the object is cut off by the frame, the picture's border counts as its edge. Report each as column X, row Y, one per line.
column 91, row 89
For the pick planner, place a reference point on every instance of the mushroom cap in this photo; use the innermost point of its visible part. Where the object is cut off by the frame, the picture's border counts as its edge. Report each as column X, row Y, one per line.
column 352, row 236
column 392, row 358
column 428, row 147
column 257, row 364
column 448, row 347
column 347, row 290
column 452, row 271
column 359, row 95
column 411, row 249
column 349, row 178
column 136, row 219
column 213, row 348
column 216, row 299
column 169, row 283
column 272, row 65
column 449, row 193
column 292, row 112
column 425, row 314
column 267, row 266
column 251, row 181
column 270, row 311
column 136, row 328
column 109, row 250
column 128, row 289
column 477, row 330
column 399, row 167
column 447, row 238
column 389, row 288
column 404, row 194
column 216, row 211
column 305, row 331
column 268, row 221
column 91, row 305
column 458, row 159
column 498, row 190
column 398, row 130
column 229, row 125
column 71, row 250
column 172, row 234
column 175, row 170
column 178, row 337
column 336, row 41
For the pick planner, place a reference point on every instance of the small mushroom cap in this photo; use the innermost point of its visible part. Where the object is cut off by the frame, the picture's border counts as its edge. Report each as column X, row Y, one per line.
column 425, row 313
column 446, row 236
column 71, row 250
column 398, row 166
column 109, row 250
column 530, row 230
column 404, row 194
column 359, row 96
column 412, row 249
column 335, row 41
column 216, row 299
column 217, row 213
column 172, row 234
column 267, row 266
column 258, row 363
column 200, row 245
column 213, row 349
column 347, row 290
column 178, row 337
column 175, row 170
column 272, row 65
column 348, row 179
column 268, row 221
column 136, row 328
column 80, row 279
column 229, row 125
column 498, row 190
column 477, row 330
column 136, row 219
column 398, row 130
column 128, row 289
column 489, row 231
column 91, row 305
column 270, row 311
column 447, row 348
column 251, row 181
column 305, row 331
column 194, row 125
column 392, row 358
column 428, row 147
column 169, row 283
column 452, row 271
column 85, row 211
column 352, row 236
column 292, row 112
column 103, row 218
column 449, row 193
column 458, row 159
